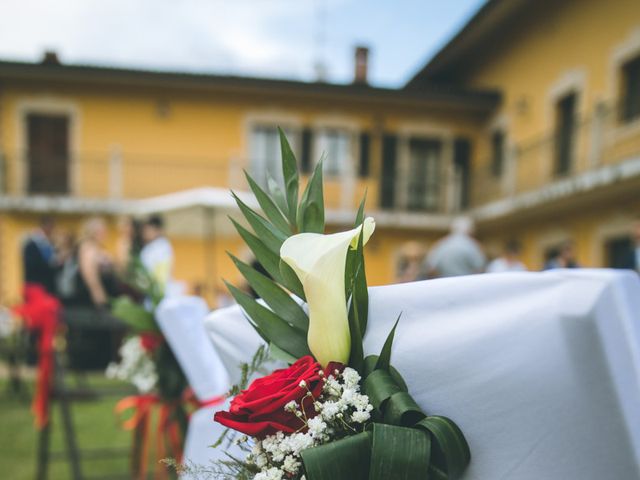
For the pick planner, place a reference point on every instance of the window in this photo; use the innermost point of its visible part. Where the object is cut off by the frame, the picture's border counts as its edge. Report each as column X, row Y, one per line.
column 364, row 166
column 264, row 147
column 462, row 172
column 565, row 132
column 48, row 153
column 620, row 252
column 334, row 145
column 631, row 90
column 388, row 176
column 424, row 175
column 497, row 153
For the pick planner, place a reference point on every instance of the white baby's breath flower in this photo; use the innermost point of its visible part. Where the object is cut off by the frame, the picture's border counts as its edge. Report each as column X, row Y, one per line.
column 292, row 406
column 332, row 386
column 348, row 395
column 360, row 417
column 351, row 377
column 272, row 474
column 261, row 461
column 316, row 426
column 290, row 464
column 329, row 410
column 302, row 384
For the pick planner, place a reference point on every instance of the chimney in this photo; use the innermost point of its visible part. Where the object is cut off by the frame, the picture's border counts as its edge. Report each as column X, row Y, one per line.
column 50, row 57
column 361, row 65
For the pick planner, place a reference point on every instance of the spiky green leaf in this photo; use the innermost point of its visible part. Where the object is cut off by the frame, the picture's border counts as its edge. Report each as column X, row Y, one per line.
column 311, row 212
column 270, row 235
column 274, row 296
column 290, row 175
column 268, row 206
column 279, row 332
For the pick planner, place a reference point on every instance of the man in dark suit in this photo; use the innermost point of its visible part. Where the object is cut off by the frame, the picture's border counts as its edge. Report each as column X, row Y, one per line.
column 38, row 256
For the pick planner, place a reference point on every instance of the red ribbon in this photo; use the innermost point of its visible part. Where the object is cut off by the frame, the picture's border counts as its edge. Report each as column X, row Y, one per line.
column 168, row 430
column 40, row 312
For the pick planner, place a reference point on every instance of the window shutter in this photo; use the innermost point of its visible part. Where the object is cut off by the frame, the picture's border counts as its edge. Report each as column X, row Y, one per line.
column 305, row 159
column 462, row 162
column 388, row 174
column 365, row 142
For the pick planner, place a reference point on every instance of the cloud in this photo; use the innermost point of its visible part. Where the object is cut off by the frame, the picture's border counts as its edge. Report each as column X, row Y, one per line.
column 247, row 37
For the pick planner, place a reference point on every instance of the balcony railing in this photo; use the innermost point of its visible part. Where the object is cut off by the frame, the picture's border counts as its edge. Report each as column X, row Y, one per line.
column 124, row 175
column 600, row 140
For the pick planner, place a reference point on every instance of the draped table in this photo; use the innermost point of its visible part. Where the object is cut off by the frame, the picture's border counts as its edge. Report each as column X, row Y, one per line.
column 540, row 370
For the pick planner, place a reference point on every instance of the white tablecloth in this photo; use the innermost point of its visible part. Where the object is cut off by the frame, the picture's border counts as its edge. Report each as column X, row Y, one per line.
column 540, row 370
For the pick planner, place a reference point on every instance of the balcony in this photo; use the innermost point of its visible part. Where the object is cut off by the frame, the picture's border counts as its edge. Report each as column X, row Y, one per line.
column 598, row 152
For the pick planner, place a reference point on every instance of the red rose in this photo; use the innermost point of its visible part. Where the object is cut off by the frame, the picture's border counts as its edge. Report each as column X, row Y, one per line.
column 150, row 341
column 259, row 411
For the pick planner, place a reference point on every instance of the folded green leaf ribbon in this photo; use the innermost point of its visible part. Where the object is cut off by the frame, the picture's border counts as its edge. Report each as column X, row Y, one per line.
column 401, row 443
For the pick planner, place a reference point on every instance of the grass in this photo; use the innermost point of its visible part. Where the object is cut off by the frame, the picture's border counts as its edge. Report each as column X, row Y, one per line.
column 96, row 427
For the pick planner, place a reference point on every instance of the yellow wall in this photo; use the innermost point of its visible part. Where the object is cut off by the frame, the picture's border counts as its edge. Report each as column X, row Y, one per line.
column 194, row 143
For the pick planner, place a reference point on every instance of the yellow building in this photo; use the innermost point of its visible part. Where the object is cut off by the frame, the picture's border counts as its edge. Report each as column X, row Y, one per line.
column 560, row 158
column 528, row 120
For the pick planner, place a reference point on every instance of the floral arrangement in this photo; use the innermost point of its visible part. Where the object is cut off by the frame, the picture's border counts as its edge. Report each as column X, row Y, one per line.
column 333, row 414
column 146, row 360
column 136, row 364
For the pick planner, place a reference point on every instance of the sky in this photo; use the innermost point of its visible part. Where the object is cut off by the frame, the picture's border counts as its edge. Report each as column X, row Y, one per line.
column 266, row 38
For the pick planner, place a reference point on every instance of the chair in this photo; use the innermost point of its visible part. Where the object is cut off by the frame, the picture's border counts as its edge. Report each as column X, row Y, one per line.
column 540, row 370
column 181, row 319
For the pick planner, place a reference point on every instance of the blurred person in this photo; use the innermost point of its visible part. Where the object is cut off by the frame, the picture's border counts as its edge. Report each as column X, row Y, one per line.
column 564, row 257
column 96, row 279
column 67, row 269
column 40, row 310
column 509, row 261
column 91, row 348
column 410, row 260
column 157, row 253
column 129, row 242
column 456, row 254
column 39, row 256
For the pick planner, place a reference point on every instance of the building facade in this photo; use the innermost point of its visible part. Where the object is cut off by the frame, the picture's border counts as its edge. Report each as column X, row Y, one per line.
column 528, row 120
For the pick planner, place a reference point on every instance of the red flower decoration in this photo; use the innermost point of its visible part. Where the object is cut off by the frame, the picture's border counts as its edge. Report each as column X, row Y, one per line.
column 150, row 341
column 259, row 411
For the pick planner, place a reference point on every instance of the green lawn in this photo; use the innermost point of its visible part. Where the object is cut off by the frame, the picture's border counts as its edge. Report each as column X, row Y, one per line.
column 96, row 426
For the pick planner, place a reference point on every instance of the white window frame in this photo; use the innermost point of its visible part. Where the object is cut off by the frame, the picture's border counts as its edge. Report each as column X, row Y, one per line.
column 290, row 123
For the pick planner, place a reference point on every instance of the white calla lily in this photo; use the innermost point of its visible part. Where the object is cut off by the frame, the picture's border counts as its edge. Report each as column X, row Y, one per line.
column 319, row 262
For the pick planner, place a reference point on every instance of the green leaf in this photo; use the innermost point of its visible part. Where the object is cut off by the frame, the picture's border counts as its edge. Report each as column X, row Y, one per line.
column 360, row 290
column 278, row 196
column 450, row 449
column 379, row 386
column 384, row 361
column 360, row 214
column 399, row 453
column 345, row 459
column 370, row 363
column 268, row 206
column 274, row 296
column 402, row 409
column 279, row 332
column 270, row 235
column 311, row 213
column 270, row 261
column 290, row 175
column 290, row 280
column 278, row 354
column 134, row 315
column 356, row 358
